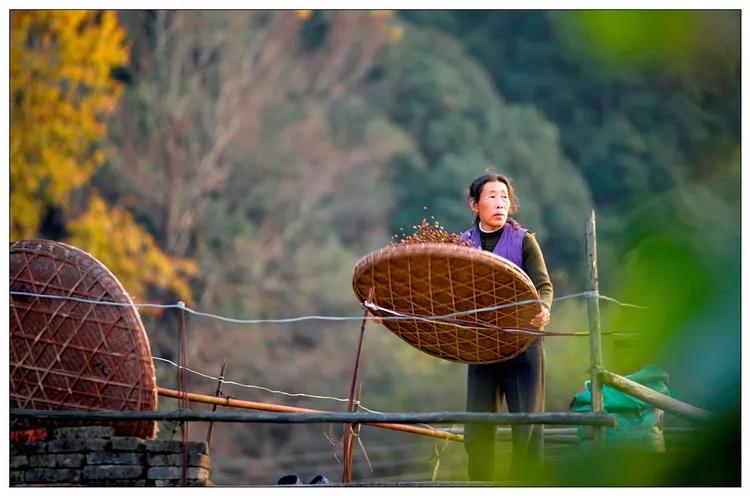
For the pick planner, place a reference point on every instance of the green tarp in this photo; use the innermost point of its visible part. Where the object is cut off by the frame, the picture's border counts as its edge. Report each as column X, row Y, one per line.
column 639, row 424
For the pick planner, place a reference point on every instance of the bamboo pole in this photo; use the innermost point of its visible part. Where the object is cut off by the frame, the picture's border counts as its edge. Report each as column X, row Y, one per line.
column 595, row 340
column 666, row 403
column 374, row 419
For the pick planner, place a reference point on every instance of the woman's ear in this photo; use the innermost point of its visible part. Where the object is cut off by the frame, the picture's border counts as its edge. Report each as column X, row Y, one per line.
column 472, row 205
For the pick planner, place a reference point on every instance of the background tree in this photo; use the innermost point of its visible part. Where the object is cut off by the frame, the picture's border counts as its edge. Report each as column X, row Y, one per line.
column 61, row 90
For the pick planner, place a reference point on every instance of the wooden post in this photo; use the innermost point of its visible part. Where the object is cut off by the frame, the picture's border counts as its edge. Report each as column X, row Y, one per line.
column 349, row 429
column 182, row 386
column 595, row 339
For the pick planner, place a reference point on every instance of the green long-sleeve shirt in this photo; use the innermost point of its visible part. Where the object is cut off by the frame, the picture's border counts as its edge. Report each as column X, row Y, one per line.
column 533, row 261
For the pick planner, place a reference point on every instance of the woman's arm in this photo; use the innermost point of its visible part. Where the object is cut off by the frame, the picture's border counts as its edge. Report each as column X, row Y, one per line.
column 533, row 261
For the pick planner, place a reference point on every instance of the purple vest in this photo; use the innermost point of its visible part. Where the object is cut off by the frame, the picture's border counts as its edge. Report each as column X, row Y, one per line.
column 509, row 246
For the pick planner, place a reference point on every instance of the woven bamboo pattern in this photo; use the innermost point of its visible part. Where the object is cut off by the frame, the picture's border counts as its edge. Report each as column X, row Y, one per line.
column 70, row 355
column 434, row 279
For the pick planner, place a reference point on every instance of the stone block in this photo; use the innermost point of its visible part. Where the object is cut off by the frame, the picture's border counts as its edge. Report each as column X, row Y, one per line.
column 19, row 461
column 178, row 483
column 76, row 445
column 114, row 458
column 176, row 473
column 17, row 477
column 85, row 432
column 165, row 446
column 127, row 444
column 112, row 472
column 28, row 448
column 52, row 475
column 175, row 459
column 65, row 460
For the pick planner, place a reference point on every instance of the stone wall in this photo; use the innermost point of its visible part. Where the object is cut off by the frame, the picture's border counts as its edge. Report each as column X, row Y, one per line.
column 94, row 456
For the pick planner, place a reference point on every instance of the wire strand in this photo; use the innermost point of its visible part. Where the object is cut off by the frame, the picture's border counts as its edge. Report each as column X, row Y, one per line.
column 486, row 325
column 181, row 305
column 252, row 386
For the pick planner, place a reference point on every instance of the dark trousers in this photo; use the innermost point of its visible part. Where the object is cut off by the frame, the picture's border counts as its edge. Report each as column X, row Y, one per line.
column 520, row 381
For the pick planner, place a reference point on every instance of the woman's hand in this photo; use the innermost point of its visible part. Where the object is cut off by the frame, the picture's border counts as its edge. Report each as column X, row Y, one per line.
column 541, row 319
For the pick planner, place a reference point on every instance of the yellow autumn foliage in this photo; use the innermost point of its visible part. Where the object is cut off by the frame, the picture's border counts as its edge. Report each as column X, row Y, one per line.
column 61, row 91
column 134, row 258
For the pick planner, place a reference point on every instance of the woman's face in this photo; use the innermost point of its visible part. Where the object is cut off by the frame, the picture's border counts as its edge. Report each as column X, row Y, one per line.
column 493, row 205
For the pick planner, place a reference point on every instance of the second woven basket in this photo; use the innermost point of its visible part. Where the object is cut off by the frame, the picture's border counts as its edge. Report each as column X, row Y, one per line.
column 427, row 280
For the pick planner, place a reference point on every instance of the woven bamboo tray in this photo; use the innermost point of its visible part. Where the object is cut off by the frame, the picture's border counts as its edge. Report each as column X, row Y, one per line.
column 436, row 279
column 70, row 355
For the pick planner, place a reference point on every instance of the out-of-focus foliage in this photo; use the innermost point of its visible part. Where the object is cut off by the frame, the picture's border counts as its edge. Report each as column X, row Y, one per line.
column 61, row 91
column 699, row 47
column 61, row 88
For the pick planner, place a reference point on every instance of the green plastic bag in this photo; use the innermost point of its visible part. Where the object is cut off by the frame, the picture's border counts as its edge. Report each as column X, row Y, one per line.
column 639, row 424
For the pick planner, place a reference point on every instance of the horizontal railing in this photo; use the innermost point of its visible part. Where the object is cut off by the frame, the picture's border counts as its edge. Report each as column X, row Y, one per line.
column 327, row 417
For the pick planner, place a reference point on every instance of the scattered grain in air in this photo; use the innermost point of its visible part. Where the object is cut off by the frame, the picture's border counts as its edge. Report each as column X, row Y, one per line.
column 427, row 233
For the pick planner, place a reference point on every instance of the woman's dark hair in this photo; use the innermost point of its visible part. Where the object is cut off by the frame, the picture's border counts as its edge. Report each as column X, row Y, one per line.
column 475, row 192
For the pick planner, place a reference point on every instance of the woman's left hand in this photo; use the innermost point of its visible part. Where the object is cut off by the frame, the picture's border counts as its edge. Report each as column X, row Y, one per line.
column 541, row 319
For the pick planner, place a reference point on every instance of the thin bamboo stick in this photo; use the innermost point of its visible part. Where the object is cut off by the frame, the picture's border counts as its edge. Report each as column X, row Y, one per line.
column 218, row 391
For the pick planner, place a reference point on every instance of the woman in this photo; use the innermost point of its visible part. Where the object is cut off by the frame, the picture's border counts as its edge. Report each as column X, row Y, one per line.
column 519, row 380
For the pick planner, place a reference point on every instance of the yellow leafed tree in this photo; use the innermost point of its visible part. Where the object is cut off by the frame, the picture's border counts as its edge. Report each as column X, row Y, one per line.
column 61, row 90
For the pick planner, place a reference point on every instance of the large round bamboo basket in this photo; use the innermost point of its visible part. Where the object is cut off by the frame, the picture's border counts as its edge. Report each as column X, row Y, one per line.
column 437, row 279
column 71, row 355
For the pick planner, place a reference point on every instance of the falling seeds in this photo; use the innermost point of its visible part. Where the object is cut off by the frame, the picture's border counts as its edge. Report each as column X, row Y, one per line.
column 427, row 232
